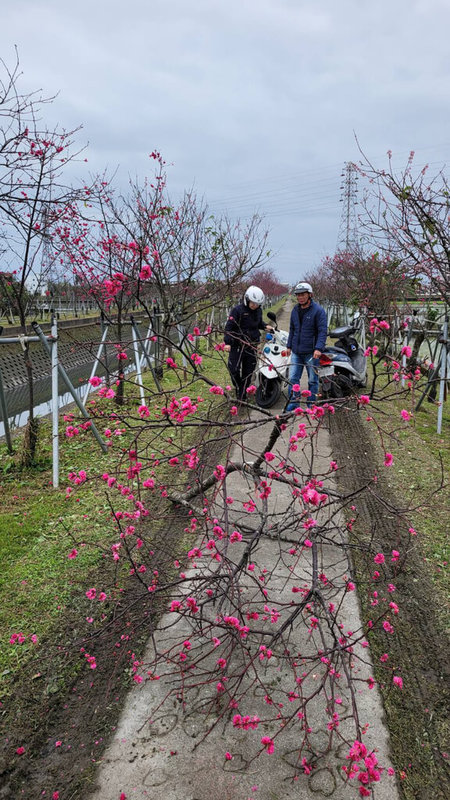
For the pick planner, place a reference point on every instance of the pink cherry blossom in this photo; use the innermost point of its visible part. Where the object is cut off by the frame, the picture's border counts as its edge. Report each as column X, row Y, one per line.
column 146, row 272
column 267, row 742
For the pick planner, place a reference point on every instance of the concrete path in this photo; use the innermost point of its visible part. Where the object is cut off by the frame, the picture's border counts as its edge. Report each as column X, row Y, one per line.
column 160, row 748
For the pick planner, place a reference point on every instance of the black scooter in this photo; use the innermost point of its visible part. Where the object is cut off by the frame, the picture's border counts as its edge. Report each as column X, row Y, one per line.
column 343, row 366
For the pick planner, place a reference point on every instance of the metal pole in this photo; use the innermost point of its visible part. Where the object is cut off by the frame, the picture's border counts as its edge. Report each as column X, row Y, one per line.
column 55, row 432
column 147, row 358
column 158, row 355
column 181, row 338
column 70, row 387
column 406, row 341
column 103, row 326
column 5, row 410
column 5, row 416
column 138, row 366
column 442, row 374
column 148, row 350
column 97, row 359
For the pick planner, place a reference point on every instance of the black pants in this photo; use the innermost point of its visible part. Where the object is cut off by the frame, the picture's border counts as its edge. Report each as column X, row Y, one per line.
column 241, row 364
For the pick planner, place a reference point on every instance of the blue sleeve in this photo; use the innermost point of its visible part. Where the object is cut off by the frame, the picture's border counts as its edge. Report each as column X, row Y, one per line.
column 291, row 331
column 322, row 329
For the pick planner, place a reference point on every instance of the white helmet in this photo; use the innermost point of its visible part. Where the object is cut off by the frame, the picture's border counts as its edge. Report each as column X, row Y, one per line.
column 254, row 295
column 302, row 287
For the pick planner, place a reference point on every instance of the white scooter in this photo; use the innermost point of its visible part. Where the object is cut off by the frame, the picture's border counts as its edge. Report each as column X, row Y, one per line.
column 273, row 367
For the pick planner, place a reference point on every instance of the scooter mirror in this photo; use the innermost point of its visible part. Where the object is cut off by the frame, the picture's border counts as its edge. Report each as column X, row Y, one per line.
column 272, row 316
column 356, row 316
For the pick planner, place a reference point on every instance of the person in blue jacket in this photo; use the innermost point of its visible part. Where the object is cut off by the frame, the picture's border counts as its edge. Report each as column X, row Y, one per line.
column 306, row 340
column 242, row 337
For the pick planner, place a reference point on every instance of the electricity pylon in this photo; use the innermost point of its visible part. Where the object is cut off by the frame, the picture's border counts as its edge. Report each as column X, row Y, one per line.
column 348, row 230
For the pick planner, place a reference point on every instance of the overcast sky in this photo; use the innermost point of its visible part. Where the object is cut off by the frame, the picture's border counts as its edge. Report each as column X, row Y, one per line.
column 255, row 103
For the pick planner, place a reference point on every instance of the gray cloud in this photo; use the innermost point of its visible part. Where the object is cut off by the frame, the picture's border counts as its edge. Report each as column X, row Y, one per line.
column 253, row 101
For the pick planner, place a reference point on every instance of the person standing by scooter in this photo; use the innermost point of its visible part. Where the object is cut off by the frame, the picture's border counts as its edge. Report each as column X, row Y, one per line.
column 307, row 338
column 242, row 337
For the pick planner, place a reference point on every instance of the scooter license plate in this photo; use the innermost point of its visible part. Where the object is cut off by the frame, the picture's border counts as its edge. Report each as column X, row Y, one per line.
column 324, row 371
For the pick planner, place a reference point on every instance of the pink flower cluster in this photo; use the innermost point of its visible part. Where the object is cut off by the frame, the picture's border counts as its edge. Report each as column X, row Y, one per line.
column 91, row 594
column 365, row 766
column 233, row 622
column 77, row 478
column 107, row 393
column 246, row 722
column 146, row 272
column 311, row 495
column 114, row 285
column 380, row 325
column 178, row 410
column 90, row 659
column 20, row 638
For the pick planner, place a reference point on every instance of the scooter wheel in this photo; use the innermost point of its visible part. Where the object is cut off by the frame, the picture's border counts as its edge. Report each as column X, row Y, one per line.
column 268, row 392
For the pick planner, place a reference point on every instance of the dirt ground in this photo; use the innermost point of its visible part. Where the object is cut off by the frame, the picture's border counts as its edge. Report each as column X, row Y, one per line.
column 41, row 713
column 417, row 718
column 83, row 718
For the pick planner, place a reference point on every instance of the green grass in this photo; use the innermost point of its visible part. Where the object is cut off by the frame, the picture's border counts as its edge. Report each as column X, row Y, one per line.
column 39, row 527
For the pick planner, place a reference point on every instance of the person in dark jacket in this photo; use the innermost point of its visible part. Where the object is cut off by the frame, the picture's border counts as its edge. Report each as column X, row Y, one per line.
column 306, row 340
column 242, row 337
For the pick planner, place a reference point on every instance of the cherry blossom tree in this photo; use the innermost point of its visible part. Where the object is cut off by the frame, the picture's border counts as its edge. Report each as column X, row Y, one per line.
column 34, row 203
column 406, row 215
column 375, row 282
column 268, row 282
column 141, row 251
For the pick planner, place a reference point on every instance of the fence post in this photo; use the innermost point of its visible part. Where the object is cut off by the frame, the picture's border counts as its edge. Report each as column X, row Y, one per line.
column 97, row 359
column 156, row 319
column 55, row 409
column 137, row 361
column 5, row 416
column 147, row 357
column 443, row 373
column 69, row 385
column 148, row 350
column 104, row 326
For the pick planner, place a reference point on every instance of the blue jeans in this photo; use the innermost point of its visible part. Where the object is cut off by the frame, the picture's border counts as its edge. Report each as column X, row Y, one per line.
column 298, row 361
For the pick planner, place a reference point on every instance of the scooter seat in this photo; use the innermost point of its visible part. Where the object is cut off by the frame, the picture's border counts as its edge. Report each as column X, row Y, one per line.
column 346, row 330
column 334, row 349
